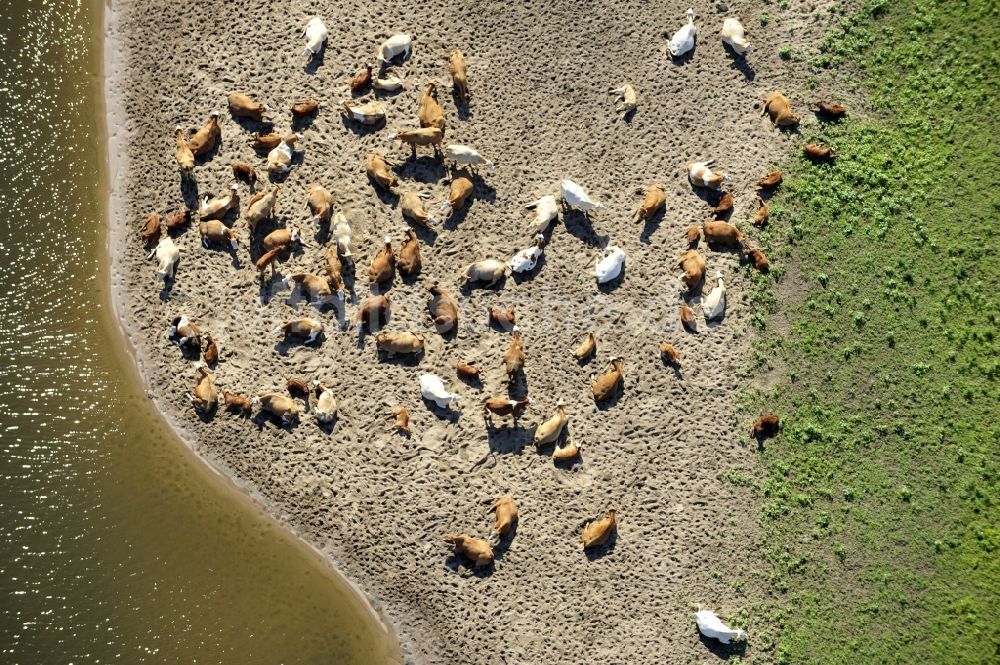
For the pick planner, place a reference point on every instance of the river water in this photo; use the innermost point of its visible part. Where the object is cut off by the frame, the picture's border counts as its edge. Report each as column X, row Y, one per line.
column 116, row 544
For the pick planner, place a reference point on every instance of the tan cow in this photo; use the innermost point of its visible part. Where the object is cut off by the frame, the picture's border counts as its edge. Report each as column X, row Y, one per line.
column 599, row 531
column 430, row 113
column 241, row 106
column 506, row 513
column 459, row 74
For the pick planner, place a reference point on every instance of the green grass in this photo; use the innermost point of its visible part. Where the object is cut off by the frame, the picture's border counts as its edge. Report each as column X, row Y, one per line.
column 879, row 499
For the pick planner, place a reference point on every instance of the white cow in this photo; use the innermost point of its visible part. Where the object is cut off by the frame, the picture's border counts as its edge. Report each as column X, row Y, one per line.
column 487, row 270
column 466, row 156
column 432, row 389
column 370, row 113
column 326, row 404
column 279, row 160
column 546, row 210
column 167, row 255
column 711, row 626
column 527, row 259
column 316, row 35
column 610, row 266
column 387, row 84
column 734, row 35
column 395, row 45
column 575, row 197
column 714, row 305
column 342, row 232
column 683, row 39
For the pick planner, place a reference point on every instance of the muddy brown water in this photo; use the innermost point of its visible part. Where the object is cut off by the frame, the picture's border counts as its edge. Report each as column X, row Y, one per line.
column 116, row 544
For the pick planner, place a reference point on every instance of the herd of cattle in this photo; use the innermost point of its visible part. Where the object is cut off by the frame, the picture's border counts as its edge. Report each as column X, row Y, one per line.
column 373, row 312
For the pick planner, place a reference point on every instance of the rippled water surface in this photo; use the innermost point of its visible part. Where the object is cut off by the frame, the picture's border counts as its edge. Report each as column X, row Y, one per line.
column 115, row 544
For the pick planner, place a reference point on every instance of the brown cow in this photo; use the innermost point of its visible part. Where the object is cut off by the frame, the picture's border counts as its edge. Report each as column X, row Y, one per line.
column 297, row 387
column 383, row 267
column 656, row 200
column 550, row 430
column 150, row 230
column 184, row 155
column 505, row 318
column 567, row 452
column 459, row 74
column 219, row 207
column 280, row 238
column 244, row 172
column 265, row 142
column 178, row 220
column 333, row 271
column 672, row 355
column 205, row 396
column 605, row 385
column 205, row 139
column 757, row 258
column 772, row 179
column 586, row 348
column 320, row 202
column 279, row 405
column 763, row 212
column 409, row 255
column 504, row 406
column 780, row 109
column 304, row 109
column 307, row 328
column 818, row 153
column 214, row 231
column 831, row 111
column 459, row 191
column 444, row 311
column 235, row 402
column 211, row 353
column 373, row 312
column 431, row 136
column 692, row 236
column 402, row 419
column 687, row 319
column 402, row 343
column 268, row 259
column 361, row 80
column 766, row 426
column 724, row 206
column 717, row 232
column 412, row 207
column 317, row 288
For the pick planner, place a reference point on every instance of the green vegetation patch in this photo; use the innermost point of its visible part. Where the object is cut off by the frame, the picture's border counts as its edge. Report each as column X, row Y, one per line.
column 879, row 498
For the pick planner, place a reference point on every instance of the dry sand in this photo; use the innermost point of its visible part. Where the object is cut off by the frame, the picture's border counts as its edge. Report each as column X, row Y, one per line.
column 377, row 502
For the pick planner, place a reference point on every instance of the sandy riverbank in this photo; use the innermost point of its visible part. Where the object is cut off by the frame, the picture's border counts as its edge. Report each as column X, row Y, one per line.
column 116, row 83
column 377, row 503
